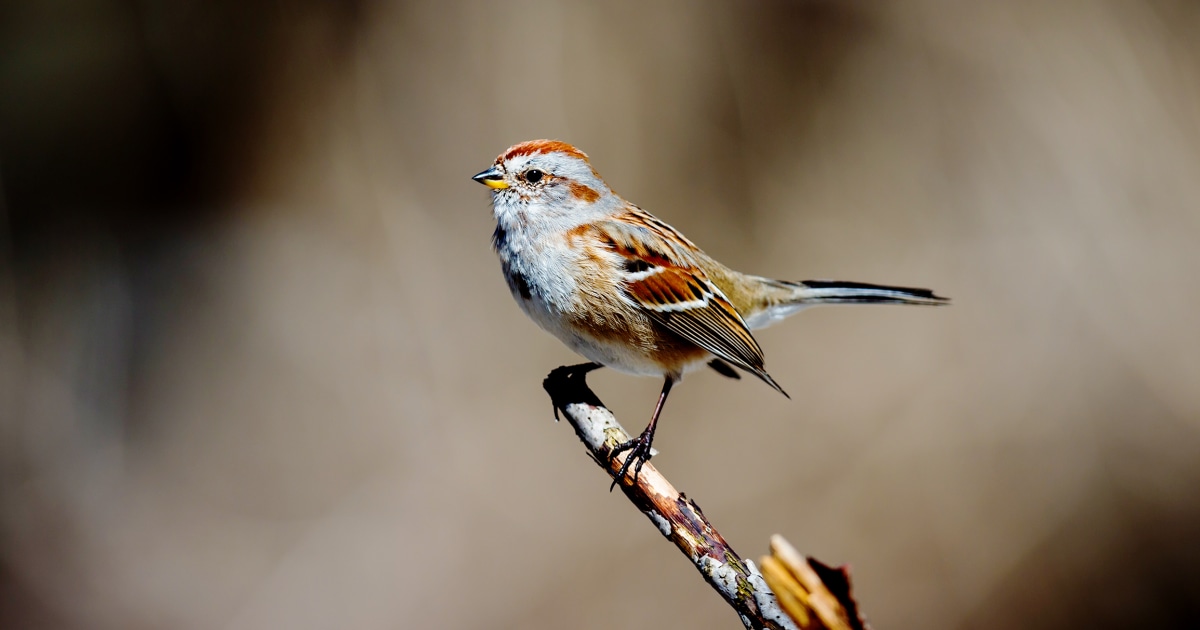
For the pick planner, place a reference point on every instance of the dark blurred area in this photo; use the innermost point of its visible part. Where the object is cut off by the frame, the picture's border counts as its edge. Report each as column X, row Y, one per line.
column 258, row 367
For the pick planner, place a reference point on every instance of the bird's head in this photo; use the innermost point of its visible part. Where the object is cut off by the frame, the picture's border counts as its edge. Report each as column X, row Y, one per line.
column 546, row 181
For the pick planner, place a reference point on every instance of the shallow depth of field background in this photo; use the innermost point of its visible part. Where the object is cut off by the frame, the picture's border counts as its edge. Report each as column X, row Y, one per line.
column 259, row 369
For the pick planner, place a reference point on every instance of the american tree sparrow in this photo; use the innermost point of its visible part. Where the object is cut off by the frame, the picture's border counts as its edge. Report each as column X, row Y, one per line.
column 628, row 291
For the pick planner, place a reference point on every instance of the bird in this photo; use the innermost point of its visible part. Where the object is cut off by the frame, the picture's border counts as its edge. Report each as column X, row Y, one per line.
column 626, row 290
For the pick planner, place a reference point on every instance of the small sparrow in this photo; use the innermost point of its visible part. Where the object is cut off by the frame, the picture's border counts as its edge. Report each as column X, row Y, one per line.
column 628, row 291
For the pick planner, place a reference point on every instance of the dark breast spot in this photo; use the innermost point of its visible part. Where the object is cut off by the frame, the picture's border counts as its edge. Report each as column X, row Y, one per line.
column 519, row 284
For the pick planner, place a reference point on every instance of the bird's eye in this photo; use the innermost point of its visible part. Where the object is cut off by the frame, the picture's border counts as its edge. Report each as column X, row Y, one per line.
column 534, row 176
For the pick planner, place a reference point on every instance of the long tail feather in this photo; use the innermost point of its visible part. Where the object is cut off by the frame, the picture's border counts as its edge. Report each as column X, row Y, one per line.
column 835, row 292
column 783, row 298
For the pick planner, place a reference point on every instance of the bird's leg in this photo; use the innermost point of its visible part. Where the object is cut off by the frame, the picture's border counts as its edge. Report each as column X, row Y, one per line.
column 639, row 447
column 565, row 374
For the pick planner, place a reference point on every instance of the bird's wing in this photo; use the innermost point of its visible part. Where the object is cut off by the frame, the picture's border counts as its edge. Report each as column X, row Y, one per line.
column 660, row 275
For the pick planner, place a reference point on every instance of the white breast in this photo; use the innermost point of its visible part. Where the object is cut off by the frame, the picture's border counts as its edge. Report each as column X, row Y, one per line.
column 542, row 274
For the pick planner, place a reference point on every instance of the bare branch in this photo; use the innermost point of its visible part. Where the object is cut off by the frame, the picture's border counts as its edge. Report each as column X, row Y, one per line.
column 677, row 517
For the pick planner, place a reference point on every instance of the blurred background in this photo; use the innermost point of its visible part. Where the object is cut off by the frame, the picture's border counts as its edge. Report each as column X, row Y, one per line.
column 259, row 368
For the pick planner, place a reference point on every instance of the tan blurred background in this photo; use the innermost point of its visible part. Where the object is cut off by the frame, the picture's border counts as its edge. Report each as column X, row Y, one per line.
column 259, row 368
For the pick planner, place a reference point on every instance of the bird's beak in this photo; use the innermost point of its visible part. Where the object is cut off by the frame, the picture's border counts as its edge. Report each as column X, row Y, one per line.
column 492, row 178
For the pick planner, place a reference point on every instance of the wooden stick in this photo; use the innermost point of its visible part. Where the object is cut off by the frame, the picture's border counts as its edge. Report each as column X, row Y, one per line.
column 677, row 517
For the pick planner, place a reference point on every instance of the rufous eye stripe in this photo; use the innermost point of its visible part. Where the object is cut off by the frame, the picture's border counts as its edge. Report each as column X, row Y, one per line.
column 584, row 193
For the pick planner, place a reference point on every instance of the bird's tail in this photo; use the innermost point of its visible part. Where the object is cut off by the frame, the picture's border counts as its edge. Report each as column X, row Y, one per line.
column 781, row 298
column 835, row 292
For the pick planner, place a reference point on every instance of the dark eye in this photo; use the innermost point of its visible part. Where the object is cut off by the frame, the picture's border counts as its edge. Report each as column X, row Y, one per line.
column 534, row 176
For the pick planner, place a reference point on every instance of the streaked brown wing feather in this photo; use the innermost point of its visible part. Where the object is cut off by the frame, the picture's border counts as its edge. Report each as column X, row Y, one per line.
column 686, row 303
column 663, row 278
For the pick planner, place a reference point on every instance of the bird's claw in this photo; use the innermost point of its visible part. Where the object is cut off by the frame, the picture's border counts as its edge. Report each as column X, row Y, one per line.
column 639, row 453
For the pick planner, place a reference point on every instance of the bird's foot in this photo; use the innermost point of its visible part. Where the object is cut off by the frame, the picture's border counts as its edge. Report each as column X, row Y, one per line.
column 639, row 453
